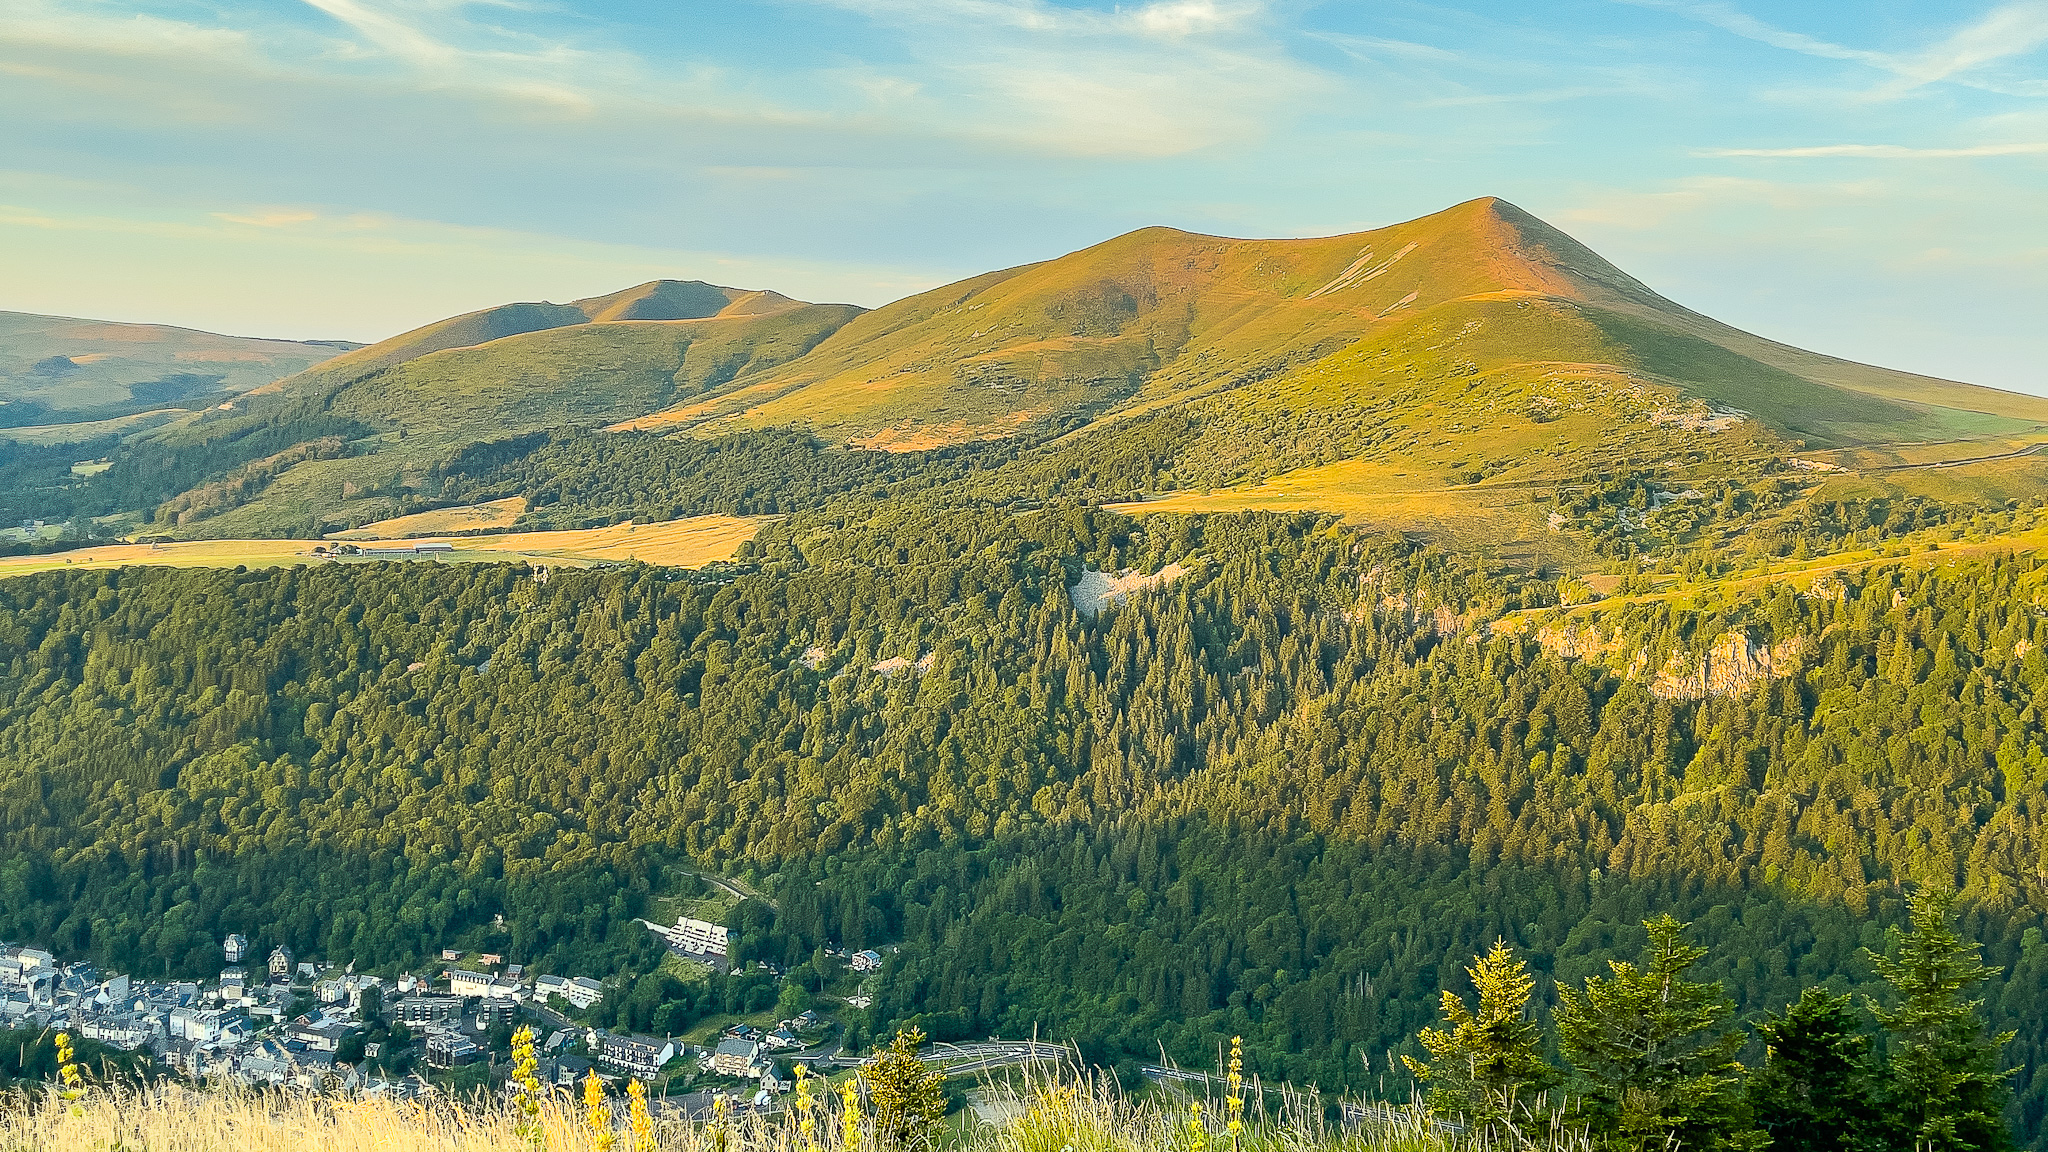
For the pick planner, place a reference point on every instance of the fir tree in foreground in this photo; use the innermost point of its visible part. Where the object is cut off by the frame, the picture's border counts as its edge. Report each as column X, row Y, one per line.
column 1654, row 1053
column 1947, row 1092
column 1817, row 1089
column 909, row 1096
column 1488, row 1067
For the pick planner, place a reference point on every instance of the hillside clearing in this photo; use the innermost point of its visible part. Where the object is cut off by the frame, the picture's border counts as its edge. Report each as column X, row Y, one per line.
column 686, row 543
column 470, row 517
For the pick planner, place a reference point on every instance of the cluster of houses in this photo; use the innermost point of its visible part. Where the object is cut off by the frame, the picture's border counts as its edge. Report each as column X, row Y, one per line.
column 238, row 1028
column 242, row 1027
column 253, row 1026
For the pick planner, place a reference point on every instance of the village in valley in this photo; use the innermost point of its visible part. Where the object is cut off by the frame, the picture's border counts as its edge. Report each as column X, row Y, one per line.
column 274, row 1020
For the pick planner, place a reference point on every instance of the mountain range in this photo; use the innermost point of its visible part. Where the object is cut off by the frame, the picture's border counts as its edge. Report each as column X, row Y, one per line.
column 1478, row 344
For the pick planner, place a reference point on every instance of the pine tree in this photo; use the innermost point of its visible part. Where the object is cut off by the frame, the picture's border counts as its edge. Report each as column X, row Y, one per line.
column 909, row 1095
column 1817, row 1090
column 1945, row 1092
column 1488, row 1066
column 1655, row 1059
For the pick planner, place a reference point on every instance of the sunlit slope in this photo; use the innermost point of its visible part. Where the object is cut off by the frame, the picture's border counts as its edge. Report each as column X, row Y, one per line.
column 427, row 408
column 1160, row 318
column 1666, row 336
column 53, row 366
column 592, row 362
column 582, row 373
column 655, row 300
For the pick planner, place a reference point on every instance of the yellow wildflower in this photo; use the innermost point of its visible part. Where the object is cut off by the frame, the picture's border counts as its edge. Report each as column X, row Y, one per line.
column 68, row 1074
column 806, row 1109
column 849, row 1114
column 597, row 1112
column 1235, row 1101
column 643, row 1121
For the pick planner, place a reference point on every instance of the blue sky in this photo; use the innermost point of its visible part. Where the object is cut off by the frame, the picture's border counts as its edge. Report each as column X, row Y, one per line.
column 1866, row 179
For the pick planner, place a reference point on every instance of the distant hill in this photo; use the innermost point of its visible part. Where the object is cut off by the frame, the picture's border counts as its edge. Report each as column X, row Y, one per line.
column 57, row 369
column 1159, row 317
column 1440, row 372
column 503, row 371
column 654, row 300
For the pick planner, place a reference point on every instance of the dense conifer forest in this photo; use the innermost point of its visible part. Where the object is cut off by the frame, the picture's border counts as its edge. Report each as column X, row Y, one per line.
column 1285, row 796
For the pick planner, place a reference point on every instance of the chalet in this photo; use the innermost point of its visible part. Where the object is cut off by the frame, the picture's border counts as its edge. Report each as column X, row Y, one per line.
column 280, row 963
column 234, row 947
column 322, row 1037
column 463, row 982
column 568, row 1070
column 736, row 1057
column 695, row 937
column 635, row 1055
column 449, row 1049
column 425, row 1011
column 580, row 991
column 868, row 961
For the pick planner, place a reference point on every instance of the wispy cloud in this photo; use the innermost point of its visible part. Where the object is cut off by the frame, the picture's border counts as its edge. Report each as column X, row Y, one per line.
column 1374, row 49
column 1155, row 79
column 1887, row 151
column 1657, row 208
column 275, row 218
column 2009, row 30
column 1730, row 19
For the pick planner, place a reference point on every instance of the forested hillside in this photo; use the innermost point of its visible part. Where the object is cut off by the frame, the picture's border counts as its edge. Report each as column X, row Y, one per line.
column 1286, row 795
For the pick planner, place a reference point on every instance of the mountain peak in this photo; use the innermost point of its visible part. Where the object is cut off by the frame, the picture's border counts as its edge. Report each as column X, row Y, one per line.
column 1160, row 317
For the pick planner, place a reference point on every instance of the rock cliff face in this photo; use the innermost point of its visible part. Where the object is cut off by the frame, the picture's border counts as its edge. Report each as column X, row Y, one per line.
column 1731, row 664
column 1095, row 591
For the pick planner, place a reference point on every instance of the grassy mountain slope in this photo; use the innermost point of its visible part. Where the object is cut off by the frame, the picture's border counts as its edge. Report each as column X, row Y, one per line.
column 1159, row 318
column 56, row 369
column 654, row 300
column 1450, row 368
column 642, row 353
column 581, row 374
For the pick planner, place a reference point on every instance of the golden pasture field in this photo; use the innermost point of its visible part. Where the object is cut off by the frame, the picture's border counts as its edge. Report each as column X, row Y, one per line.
column 498, row 514
column 687, row 543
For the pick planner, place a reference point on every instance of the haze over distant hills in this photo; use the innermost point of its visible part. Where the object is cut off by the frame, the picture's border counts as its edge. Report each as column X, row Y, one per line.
column 57, row 368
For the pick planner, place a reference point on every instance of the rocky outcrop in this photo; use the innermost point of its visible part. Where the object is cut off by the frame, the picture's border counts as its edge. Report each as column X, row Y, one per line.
column 1095, row 591
column 1733, row 663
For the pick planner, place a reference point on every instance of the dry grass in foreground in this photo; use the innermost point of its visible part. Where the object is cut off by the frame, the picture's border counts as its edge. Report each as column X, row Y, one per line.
column 1065, row 1115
